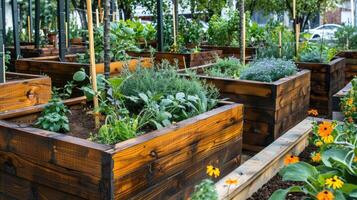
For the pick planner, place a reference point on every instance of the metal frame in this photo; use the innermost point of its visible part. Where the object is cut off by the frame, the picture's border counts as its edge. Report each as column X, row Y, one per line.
column 15, row 22
column 2, row 47
column 61, row 29
column 160, row 25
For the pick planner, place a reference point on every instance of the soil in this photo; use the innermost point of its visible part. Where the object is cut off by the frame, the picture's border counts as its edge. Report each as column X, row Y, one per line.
column 276, row 182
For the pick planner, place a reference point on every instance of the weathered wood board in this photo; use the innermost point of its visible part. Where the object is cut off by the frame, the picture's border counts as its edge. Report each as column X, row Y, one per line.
column 231, row 51
column 351, row 64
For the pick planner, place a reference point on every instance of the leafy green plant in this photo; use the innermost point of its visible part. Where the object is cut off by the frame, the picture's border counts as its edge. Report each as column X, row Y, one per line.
column 349, row 103
column 318, row 53
column 269, row 70
column 191, row 31
column 54, row 117
column 346, row 37
column 205, row 190
column 74, row 30
column 226, row 67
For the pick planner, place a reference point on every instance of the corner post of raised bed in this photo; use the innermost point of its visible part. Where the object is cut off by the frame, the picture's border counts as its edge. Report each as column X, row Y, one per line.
column 29, row 20
column 15, row 23
column 61, row 29
column 2, row 47
column 37, row 23
column 160, row 24
column 67, row 11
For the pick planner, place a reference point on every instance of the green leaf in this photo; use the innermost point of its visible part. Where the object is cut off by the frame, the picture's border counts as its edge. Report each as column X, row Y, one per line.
column 281, row 193
column 300, row 171
column 79, row 76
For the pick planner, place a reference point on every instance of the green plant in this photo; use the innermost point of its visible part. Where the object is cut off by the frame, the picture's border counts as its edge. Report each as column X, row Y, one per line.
column 65, row 92
column 87, row 89
column 205, row 190
column 269, row 70
column 191, row 31
column 349, row 103
column 346, row 37
column 54, row 117
column 318, row 53
column 226, row 67
column 74, row 30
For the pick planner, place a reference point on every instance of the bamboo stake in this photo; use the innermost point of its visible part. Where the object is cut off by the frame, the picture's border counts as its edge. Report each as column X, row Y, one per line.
column 66, row 29
column 97, row 17
column 92, row 61
column 243, row 39
column 3, row 64
column 297, row 28
column 174, row 12
column 280, row 44
column 29, row 28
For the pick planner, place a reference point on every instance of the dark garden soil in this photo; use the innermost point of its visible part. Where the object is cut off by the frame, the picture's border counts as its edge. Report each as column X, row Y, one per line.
column 276, row 182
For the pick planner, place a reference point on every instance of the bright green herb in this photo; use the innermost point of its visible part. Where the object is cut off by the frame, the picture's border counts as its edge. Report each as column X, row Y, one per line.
column 226, row 67
column 269, row 70
column 316, row 53
column 205, row 190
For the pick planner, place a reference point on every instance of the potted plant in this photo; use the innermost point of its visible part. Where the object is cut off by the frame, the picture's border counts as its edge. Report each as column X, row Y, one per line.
column 186, row 52
column 274, row 93
column 75, row 33
column 327, row 74
column 158, row 132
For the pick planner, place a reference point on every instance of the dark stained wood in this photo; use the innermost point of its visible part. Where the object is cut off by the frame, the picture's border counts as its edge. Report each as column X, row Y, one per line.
column 24, row 90
column 336, row 99
column 231, row 51
column 270, row 109
column 351, row 64
column 29, row 51
column 326, row 80
column 163, row 163
column 186, row 60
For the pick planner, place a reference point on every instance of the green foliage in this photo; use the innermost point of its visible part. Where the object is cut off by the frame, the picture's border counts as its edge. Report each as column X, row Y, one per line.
column 205, row 191
column 224, row 31
column 349, row 103
column 54, row 117
column 269, row 70
column 74, row 30
column 226, row 67
column 65, row 92
column 87, row 89
column 316, row 52
column 191, row 31
column 346, row 37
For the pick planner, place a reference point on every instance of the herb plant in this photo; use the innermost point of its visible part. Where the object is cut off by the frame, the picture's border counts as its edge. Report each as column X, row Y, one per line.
column 226, row 67
column 54, row 117
column 269, row 70
column 205, row 190
column 317, row 53
column 191, row 32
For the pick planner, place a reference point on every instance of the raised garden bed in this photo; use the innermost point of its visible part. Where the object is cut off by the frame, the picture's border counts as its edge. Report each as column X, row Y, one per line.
column 351, row 64
column 270, row 109
column 231, row 51
column 336, row 102
column 62, row 72
column 326, row 80
column 30, row 51
column 261, row 168
column 23, row 90
column 157, row 165
column 186, row 60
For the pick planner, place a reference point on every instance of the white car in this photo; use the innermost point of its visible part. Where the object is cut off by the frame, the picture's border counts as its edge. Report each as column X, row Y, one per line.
column 325, row 31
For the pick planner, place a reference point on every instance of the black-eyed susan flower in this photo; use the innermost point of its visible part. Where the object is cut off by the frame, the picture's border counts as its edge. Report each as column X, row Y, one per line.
column 325, row 195
column 334, row 182
column 291, row 159
column 213, row 171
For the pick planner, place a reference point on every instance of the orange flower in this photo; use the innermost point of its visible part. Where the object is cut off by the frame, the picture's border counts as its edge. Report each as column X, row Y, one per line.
column 290, row 159
column 231, row 181
column 313, row 112
column 316, row 157
column 349, row 102
column 350, row 120
column 325, row 129
column 355, row 159
column 325, row 195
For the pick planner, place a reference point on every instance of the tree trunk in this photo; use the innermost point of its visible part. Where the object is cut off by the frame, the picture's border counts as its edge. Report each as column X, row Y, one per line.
column 107, row 38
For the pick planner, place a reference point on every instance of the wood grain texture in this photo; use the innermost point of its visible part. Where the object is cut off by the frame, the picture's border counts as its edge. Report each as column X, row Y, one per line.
column 23, row 90
column 351, row 64
column 258, row 170
column 270, row 109
column 29, row 51
column 186, row 60
column 326, row 80
column 166, row 162
column 336, row 99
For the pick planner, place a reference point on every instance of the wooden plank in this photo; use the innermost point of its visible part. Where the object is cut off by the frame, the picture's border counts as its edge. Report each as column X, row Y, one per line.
column 336, row 99
column 262, row 167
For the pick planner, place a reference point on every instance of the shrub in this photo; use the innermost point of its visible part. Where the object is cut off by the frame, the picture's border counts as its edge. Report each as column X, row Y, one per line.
column 226, row 67
column 316, row 52
column 346, row 37
column 269, row 70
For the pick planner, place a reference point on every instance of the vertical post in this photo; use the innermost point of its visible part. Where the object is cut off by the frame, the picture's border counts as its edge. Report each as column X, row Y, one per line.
column 242, row 33
column 15, row 23
column 67, row 10
column 175, row 20
column 296, row 24
column 280, row 44
column 112, row 5
column 355, row 13
column 107, row 58
column 93, row 71
column 37, row 23
column 61, row 29
column 2, row 49
column 30, row 20
column 160, row 34
column 4, row 22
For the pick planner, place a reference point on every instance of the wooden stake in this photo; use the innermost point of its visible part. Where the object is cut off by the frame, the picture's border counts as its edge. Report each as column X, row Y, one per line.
column 92, row 61
column 243, row 40
column 97, row 17
column 280, row 44
column 175, row 20
column 67, row 38
column 29, row 28
column 3, row 65
column 297, row 28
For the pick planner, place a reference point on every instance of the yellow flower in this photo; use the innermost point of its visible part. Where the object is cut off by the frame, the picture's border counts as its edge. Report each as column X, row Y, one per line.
column 290, row 159
column 319, row 143
column 334, row 182
column 355, row 159
column 349, row 102
column 213, row 171
column 325, row 129
column 231, row 181
column 316, row 157
column 328, row 139
column 325, row 195
column 313, row 112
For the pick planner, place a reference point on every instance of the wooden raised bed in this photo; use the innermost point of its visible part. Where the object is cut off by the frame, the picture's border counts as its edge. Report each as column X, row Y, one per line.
column 258, row 170
column 30, row 51
column 62, row 72
column 186, row 60
column 270, row 109
column 326, row 80
column 351, row 64
column 158, row 165
column 23, row 90
column 336, row 102
column 231, row 51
